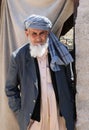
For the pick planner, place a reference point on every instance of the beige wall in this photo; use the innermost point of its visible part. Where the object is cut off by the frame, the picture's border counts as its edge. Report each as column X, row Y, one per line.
column 82, row 65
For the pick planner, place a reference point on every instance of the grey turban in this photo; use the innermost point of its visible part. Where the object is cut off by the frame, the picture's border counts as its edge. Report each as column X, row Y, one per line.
column 38, row 22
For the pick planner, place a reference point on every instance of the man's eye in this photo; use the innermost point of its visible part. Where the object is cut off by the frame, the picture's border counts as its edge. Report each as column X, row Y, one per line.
column 42, row 32
column 34, row 34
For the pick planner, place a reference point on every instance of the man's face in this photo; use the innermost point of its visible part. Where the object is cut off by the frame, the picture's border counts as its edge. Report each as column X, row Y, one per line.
column 36, row 36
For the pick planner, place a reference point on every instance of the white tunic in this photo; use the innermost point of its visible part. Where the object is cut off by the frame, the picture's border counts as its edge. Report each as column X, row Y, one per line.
column 50, row 119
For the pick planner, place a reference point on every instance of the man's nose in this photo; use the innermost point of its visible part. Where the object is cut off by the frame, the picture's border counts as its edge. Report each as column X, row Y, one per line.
column 38, row 38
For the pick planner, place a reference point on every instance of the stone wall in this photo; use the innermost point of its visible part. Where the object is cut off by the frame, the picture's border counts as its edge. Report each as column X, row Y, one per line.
column 82, row 65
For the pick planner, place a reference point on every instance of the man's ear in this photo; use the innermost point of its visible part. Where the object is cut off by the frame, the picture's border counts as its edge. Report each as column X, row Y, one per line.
column 26, row 33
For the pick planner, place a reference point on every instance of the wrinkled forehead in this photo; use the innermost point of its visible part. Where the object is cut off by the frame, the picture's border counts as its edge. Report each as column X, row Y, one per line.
column 38, row 22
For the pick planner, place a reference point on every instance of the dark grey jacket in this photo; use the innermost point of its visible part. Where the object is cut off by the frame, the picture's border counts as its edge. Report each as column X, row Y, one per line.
column 22, row 89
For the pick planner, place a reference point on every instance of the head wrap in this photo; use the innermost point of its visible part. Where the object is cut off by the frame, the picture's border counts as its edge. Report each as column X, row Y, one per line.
column 59, row 53
column 38, row 22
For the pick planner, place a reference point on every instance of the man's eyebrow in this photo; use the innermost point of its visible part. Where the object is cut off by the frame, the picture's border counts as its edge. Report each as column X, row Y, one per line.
column 34, row 32
column 42, row 32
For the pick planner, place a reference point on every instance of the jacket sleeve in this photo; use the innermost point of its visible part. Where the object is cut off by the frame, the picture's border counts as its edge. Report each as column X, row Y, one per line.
column 12, row 88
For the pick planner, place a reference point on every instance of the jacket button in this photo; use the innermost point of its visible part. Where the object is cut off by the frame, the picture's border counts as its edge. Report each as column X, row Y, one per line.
column 34, row 101
column 30, row 114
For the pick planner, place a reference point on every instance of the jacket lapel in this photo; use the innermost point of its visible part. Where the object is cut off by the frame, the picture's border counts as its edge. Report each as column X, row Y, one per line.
column 31, row 68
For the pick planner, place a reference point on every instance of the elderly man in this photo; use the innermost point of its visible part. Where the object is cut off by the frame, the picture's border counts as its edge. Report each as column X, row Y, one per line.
column 38, row 84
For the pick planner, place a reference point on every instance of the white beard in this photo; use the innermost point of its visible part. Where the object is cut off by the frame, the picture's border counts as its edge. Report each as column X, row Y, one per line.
column 38, row 50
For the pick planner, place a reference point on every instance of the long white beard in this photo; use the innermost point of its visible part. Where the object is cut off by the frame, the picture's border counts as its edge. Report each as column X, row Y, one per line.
column 38, row 50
